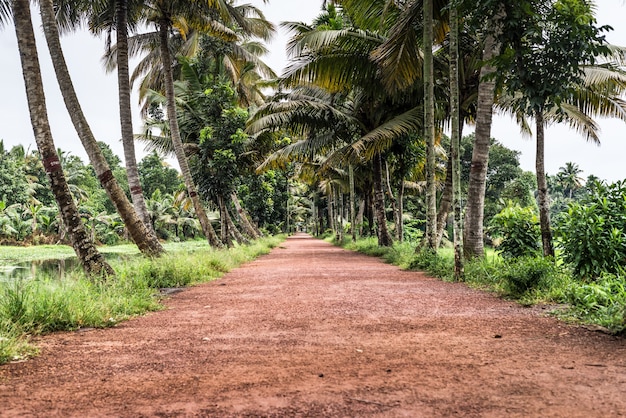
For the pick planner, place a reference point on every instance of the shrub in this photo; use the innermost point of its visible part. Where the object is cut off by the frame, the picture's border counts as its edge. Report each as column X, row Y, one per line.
column 601, row 302
column 592, row 233
column 433, row 263
column 519, row 229
column 526, row 273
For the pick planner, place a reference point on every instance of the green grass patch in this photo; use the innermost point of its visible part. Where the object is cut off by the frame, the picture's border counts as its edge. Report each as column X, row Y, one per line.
column 42, row 304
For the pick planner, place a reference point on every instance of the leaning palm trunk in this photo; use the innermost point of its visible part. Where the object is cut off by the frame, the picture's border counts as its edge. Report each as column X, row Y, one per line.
column 145, row 240
column 248, row 227
column 232, row 228
column 177, row 143
column 384, row 239
column 542, row 188
column 126, row 119
column 92, row 261
column 473, row 245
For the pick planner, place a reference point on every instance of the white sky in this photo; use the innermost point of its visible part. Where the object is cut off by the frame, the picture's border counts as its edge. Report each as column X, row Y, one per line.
column 97, row 92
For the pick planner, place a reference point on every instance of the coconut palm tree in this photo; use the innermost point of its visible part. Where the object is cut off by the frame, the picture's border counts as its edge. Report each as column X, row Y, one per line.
column 144, row 238
column 92, row 261
column 569, row 178
column 122, row 16
column 183, row 16
column 455, row 154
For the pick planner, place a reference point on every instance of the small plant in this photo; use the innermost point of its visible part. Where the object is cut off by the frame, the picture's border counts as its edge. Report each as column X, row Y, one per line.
column 519, row 229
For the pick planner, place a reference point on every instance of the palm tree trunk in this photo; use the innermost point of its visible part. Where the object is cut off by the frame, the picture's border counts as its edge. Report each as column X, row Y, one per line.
column 392, row 199
column 126, row 119
column 473, row 245
column 352, row 204
column 360, row 215
column 446, row 200
column 429, row 127
column 455, row 143
column 384, row 239
column 177, row 143
column 225, row 232
column 400, row 225
column 146, row 241
column 92, row 261
column 341, row 213
column 248, row 227
column 542, row 187
column 447, row 195
column 232, row 228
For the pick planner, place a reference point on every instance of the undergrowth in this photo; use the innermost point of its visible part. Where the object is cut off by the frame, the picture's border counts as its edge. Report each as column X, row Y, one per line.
column 42, row 304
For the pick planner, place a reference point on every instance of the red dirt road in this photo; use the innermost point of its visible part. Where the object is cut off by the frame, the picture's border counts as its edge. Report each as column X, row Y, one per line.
column 313, row 330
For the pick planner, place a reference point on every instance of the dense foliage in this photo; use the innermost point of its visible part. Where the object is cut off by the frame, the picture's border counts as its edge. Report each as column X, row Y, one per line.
column 592, row 233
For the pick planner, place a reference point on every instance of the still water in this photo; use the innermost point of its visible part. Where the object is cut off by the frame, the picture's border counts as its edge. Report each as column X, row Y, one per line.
column 55, row 268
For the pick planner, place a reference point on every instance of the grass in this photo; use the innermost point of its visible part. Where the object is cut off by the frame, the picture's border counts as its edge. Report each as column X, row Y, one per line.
column 42, row 304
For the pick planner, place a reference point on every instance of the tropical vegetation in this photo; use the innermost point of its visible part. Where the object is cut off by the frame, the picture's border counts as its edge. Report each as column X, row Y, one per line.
column 361, row 137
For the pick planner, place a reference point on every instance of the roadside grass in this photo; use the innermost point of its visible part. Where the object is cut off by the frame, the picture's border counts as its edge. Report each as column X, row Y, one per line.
column 527, row 280
column 43, row 304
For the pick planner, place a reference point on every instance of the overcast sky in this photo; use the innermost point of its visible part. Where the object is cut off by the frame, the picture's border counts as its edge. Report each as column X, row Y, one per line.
column 97, row 92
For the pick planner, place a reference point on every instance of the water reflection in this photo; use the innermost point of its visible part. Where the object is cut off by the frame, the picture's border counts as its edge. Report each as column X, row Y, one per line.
column 55, row 268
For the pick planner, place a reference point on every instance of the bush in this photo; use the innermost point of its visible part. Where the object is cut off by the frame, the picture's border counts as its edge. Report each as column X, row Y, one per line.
column 592, row 234
column 527, row 273
column 602, row 302
column 434, row 264
column 519, row 229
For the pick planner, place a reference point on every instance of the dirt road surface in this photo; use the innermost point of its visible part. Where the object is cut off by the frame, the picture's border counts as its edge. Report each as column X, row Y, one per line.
column 312, row 330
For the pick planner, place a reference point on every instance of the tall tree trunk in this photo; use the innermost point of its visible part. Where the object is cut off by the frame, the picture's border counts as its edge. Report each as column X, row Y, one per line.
column 447, row 195
column 177, row 142
column 429, row 127
column 341, row 212
column 400, row 225
column 247, row 225
column 542, row 187
column 475, row 207
column 446, row 199
column 352, row 202
column 384, row 239
column 455, row 142
column 360, row 215
column 146, row 240
column 392, row 199
column 126, row 118
column 92, row 261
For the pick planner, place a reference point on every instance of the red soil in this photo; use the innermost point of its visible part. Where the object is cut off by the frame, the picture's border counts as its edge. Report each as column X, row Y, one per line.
column 313, row 330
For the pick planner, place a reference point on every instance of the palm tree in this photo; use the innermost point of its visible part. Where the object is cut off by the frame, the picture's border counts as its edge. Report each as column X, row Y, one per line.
column 569, row 178
column 122, row 15
column 144, row 238
column 429, row 125
column 455, row 156
column 92, row 261
column 183, row 16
